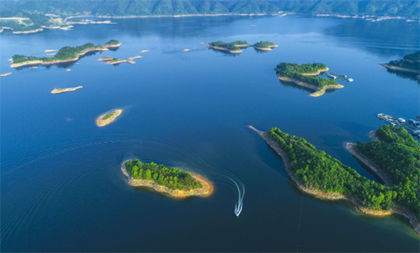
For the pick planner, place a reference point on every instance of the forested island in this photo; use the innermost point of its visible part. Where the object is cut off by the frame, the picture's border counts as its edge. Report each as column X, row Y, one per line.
column 172, row 181
column 409, row 63
column 233, row 47
column 108, row 118
column 112, row 44
column 319, row 174
column 65, row 54
column 305, row 75
column 24, row 22
column 63, row 90
column 116, row 61
column 264, row 45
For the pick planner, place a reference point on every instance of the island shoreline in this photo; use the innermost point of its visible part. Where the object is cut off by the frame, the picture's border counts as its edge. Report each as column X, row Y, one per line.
column 206, row 191
column 334, row 195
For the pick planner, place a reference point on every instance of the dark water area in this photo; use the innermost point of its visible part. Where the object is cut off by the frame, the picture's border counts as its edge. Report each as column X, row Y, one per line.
column 61, row 184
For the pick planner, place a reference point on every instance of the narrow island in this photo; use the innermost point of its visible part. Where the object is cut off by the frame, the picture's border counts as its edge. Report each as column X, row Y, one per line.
column 409, row 63
column 6, row 74
column 116, row 61
column 105, row 58
column 63, row 90
column 64, row 55
column 305, row 75
column 318, row 174
column 233, row 47
column 108, row 118
column 264, row 46
column 172, row 181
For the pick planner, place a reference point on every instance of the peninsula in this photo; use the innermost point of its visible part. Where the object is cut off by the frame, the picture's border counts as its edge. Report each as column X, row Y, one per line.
column 264, row 45
column 172, row 181
column 108, row 118
column 409, row 63
column 63, row 90
column 64, row 55
column 233, row 47
column 305, row 75
column 317, row 173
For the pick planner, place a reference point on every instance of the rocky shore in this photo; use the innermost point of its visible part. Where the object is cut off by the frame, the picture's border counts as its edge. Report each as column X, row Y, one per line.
column 400, row 68
column 39, row 62
column 317, row 91
column 335, row 195
column 205, row 191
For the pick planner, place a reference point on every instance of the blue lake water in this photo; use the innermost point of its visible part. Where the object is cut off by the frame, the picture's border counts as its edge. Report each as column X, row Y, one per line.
column 61, row 184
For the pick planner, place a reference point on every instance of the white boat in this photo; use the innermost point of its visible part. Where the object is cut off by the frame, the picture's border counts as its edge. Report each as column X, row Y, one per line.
column 238, row 210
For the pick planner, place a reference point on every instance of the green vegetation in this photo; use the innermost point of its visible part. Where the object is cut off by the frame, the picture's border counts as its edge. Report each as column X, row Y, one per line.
column 112, row 42
column 229, row 46
column 399, row 154
column 174, row 178
column 64, row 53
column 34, row 21
column 109, row 115
column 403, row 8
column 115, row 59
column 318, row 170
column 295, row 71
column 264, row 44
column 410, row 61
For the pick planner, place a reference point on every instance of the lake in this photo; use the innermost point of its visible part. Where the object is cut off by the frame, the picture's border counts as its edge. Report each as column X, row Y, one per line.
column 61, row 184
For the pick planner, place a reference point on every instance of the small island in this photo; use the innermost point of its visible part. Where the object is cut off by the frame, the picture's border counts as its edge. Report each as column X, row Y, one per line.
column 410, row 64
column 64, row 55
column 116, row 61
column 233, row 47
column 317, row 173
column 264, row 45
column 113, row 44
column 305, row 75
column 6, row 74
column 172, row 181
column 63, row 90
column 108, row 118
column 105, row 58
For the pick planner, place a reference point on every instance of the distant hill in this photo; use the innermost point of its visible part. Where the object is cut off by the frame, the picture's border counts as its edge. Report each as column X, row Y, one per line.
column 403, row 8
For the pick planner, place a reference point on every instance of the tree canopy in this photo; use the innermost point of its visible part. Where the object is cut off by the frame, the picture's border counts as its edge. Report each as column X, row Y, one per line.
column 172, row 178
column 410, row 61
column 296, row 71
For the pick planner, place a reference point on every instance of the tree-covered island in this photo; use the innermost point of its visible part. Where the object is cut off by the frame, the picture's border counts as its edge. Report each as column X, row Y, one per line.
column 112, row 44
column 233, row 47
column 108, row 118
column 264, row 45
column 409, row 63
column 65, row 54
column 116, row 61
column 319, row 174
column 172, row 181
column 305, row 75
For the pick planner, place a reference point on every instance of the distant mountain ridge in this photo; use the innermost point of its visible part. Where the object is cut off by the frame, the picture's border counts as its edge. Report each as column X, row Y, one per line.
column 403, row 8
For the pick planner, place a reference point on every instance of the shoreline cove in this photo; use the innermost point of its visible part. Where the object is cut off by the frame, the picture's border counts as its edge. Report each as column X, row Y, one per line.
column 206, row 191
column 334, row 195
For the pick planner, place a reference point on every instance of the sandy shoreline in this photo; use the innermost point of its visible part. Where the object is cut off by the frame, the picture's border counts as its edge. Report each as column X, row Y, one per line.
column 206, row 191
column 334, row 195
column 6, row 74
column 39, row 62
column 100, row 122
column 400, row 68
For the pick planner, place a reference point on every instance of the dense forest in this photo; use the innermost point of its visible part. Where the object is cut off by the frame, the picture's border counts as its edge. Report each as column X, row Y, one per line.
column 318, row 170
column 62, row 54
column 404, row 8
column 264, row 44
column 399, row 154
column 295, row 71
column 410, row 61
column 174, row 178
column 112, row 42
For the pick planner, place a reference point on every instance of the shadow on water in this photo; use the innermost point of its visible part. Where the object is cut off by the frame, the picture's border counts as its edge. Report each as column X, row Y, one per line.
column 405, row 75
column 292, row 84
column 224, row 52
column 368, row 170
column 149, row 191
column 261, row 51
